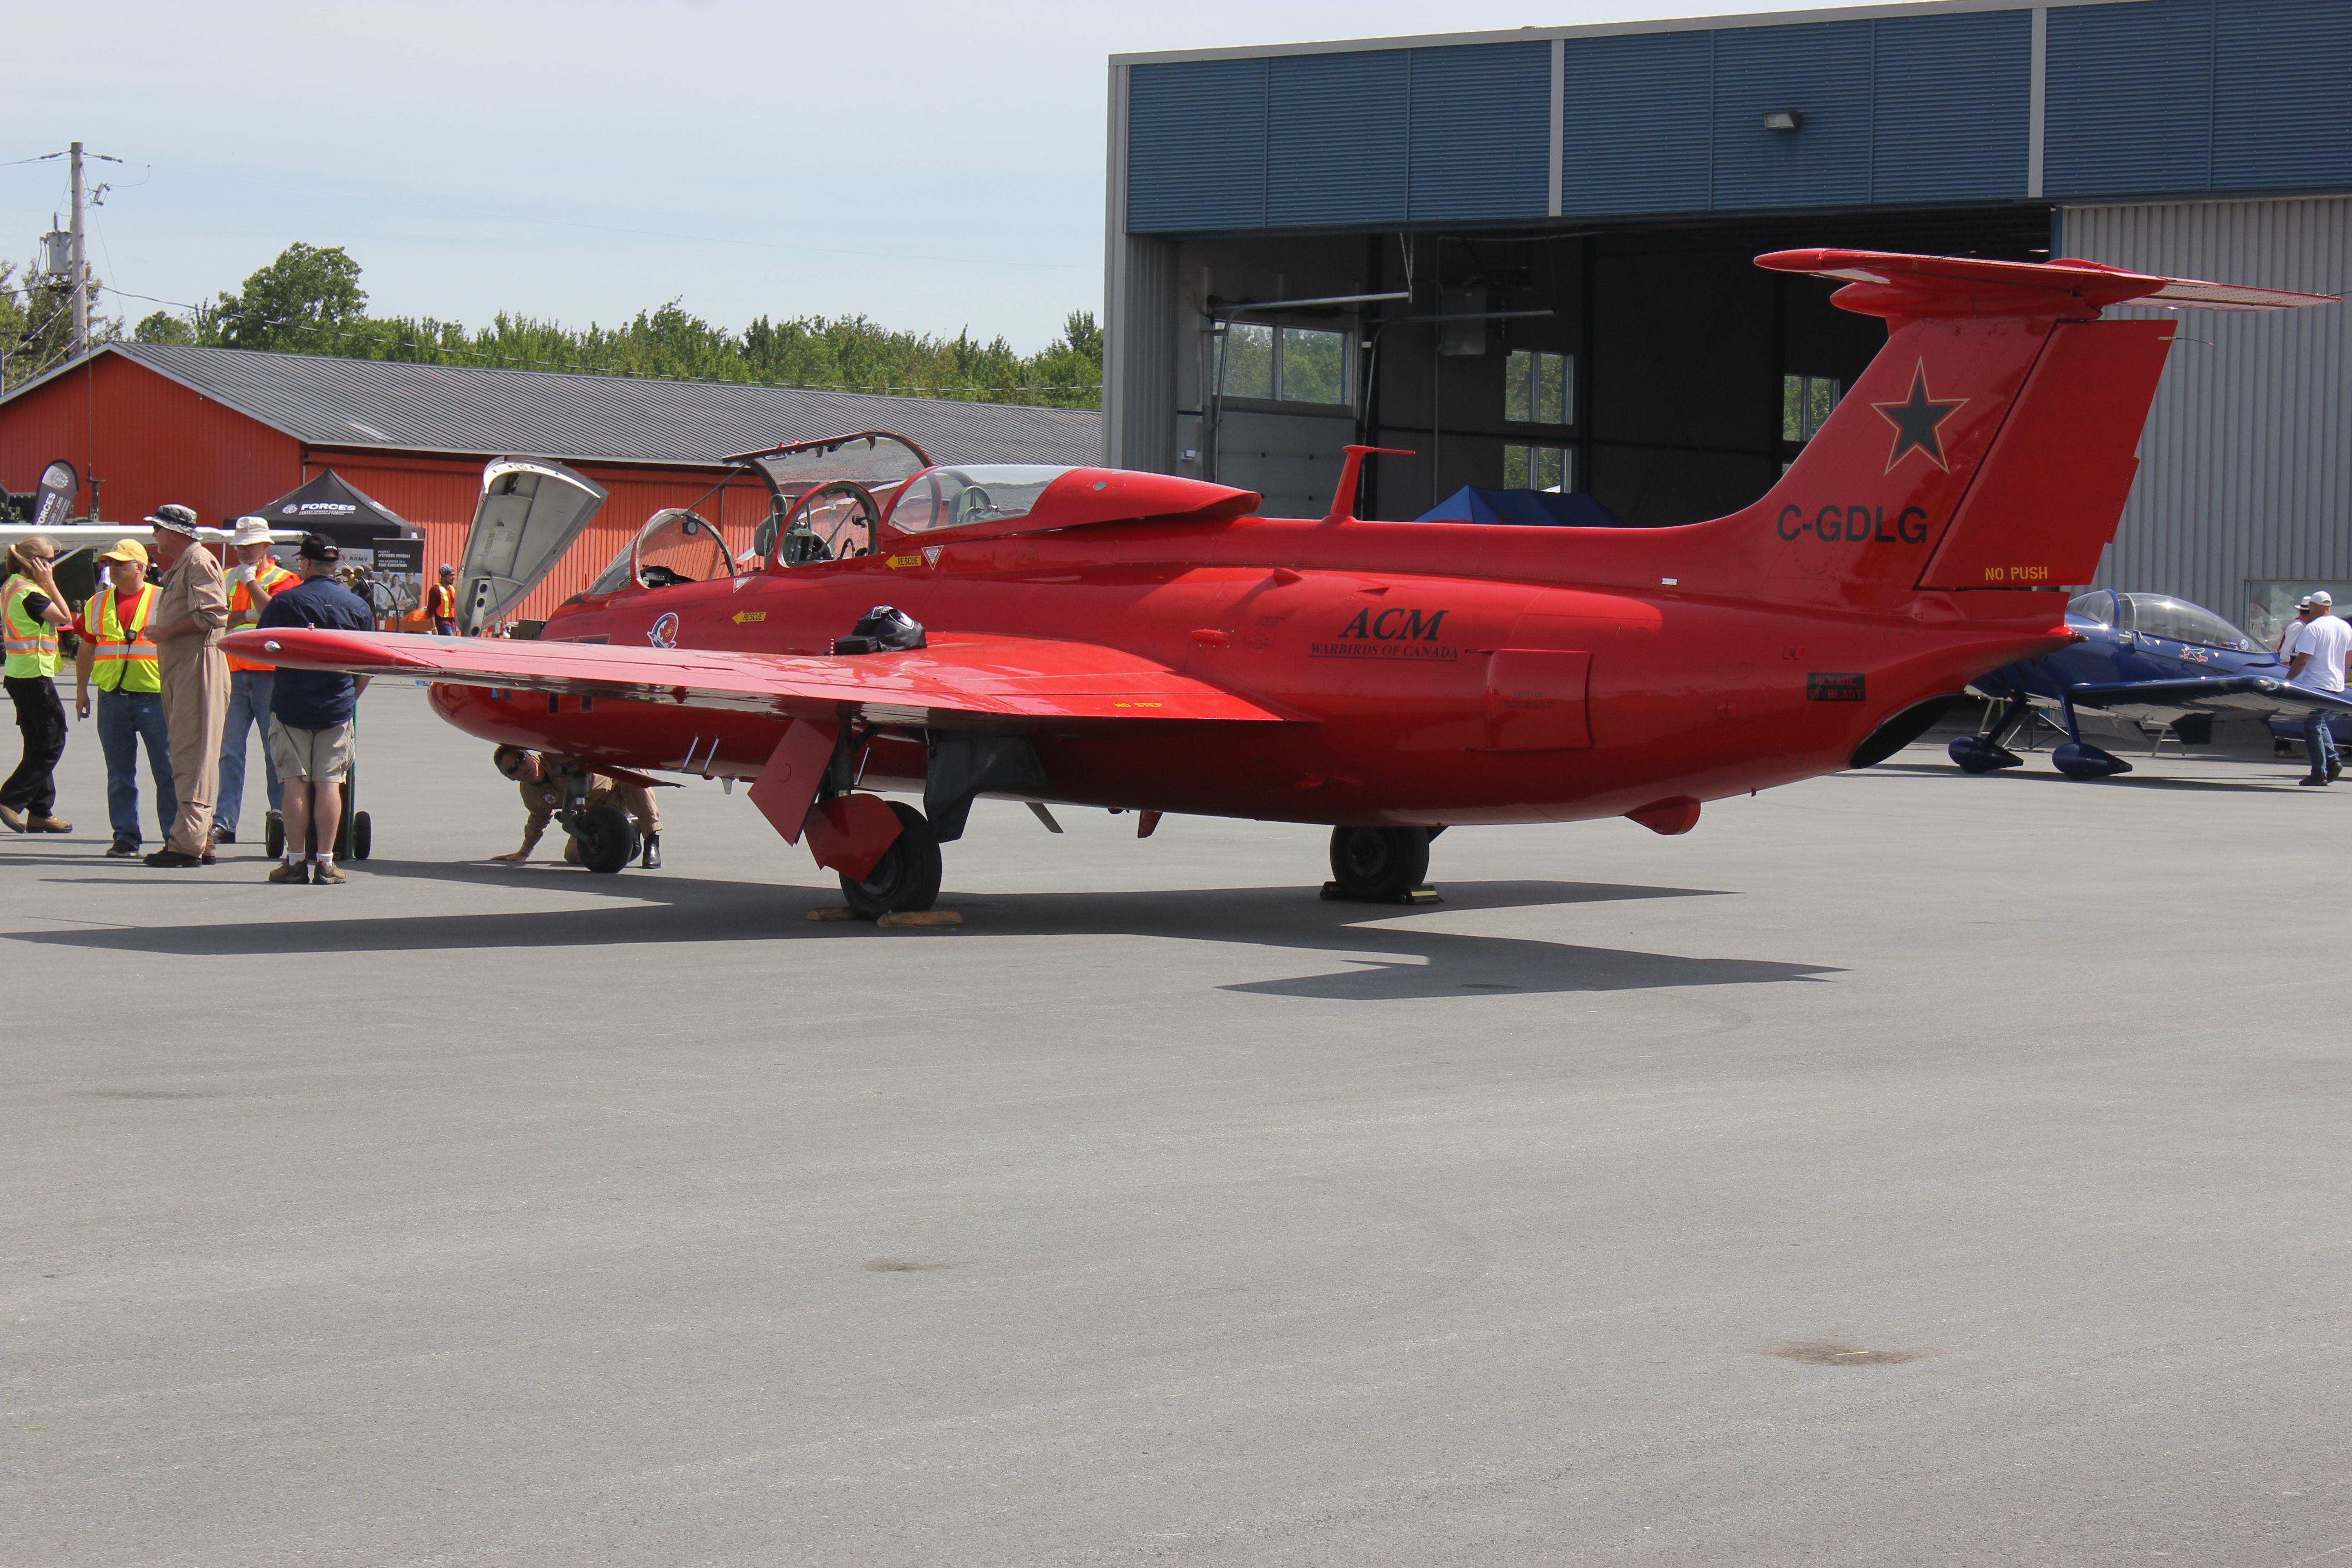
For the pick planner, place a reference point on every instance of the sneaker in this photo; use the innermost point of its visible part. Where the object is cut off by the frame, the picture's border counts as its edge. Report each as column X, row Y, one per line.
column 13, row 819
column 2334, row 770
column 168, row 859
column 326, row 875
column 2314, row 780
column 224, row 834
column 290, row 871
column 208, row 858
column 47, row 825
column 120, row 851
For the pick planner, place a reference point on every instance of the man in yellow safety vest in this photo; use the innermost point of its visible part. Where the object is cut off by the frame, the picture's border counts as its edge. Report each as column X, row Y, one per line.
column 118, row 658
column 254, row 581
column 32, row 611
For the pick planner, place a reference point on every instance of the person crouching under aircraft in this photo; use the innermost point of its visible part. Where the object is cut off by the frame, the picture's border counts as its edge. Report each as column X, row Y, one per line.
column 544, row 779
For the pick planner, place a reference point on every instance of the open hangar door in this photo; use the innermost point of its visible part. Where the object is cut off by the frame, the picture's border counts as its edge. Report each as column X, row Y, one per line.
column 1654, row 365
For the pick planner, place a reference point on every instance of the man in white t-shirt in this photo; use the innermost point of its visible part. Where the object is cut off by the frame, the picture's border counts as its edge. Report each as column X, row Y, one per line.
column 2320, row 645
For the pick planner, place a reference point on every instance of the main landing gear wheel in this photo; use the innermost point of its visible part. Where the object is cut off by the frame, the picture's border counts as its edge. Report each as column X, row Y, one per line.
column 906, row 879
column 273, row 838
column 1378, row 865
column 607, row 839
column 362, row 836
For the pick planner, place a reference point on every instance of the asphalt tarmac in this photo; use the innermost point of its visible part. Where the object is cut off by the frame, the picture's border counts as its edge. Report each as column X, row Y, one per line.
column 1899, row 1168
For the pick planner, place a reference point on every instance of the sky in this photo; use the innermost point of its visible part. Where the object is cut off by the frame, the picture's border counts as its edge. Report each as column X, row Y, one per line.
column 932, row 166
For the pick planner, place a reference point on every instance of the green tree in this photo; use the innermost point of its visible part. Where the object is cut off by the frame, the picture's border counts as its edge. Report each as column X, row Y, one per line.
column 37, row 324
column 306, row 301
column 163, row 327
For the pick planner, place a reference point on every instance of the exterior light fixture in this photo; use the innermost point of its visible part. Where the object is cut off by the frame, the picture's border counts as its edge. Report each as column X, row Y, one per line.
column 1783, row 120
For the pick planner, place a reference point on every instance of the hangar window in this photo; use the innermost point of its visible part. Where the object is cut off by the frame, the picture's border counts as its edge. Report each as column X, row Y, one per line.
column 1539, row 469
column 1805, row 405
column 1536, row 388
column 1284, row 365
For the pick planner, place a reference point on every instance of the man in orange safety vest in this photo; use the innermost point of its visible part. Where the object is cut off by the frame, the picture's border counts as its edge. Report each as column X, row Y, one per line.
column 254, row 581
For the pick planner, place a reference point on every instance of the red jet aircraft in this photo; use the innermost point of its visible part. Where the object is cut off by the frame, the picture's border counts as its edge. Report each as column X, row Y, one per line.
column 1098, row 637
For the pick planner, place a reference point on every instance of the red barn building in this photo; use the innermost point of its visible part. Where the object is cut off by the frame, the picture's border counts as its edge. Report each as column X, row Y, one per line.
column 228, row 430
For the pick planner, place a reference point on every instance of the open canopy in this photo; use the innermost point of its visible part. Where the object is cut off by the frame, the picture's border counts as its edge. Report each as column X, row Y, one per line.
column 330, row 506
column 1529, row 509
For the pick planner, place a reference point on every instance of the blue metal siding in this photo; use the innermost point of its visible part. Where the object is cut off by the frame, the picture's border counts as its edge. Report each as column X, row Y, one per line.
column 1481, row 132
column 1954, row 106
column 2283, row 95
column 2130, row 100
column 1637, row 135
column 1196, row 145
column 1823, row 72
column 1336, row 139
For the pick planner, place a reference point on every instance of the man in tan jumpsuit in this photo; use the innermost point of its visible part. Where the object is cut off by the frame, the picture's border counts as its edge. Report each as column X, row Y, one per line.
column 544, row 779
column 189, row 616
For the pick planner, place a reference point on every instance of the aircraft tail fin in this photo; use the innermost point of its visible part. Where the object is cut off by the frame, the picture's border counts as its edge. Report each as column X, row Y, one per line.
column 1992, row 443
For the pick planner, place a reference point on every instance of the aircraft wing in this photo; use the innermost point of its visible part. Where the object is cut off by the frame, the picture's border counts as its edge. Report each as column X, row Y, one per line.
column 2257, row 694
column 960, row 681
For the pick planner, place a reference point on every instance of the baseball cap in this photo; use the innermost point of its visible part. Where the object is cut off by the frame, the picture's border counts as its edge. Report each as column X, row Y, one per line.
column 2321, row 599
column 250, row 531
column 318, row 547
column 177, row 518
column 129, row 550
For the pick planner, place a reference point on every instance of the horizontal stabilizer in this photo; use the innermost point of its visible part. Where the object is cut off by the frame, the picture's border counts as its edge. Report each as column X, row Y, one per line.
column 1891, row 284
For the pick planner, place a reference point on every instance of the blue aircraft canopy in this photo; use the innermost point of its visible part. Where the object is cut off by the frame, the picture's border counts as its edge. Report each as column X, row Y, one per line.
column 2161, row 615
column 1531, row 509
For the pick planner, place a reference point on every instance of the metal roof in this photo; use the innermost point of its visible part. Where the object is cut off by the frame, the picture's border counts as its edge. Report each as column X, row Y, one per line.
column 579, row 418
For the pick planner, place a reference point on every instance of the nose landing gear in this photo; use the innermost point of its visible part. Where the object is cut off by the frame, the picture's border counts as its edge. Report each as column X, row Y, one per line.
column 1378, row 865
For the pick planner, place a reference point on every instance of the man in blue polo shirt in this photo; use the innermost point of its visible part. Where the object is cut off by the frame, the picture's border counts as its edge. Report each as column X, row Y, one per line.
column 310, row 713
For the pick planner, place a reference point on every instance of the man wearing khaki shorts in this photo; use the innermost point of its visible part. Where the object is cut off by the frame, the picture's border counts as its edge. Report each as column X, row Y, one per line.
column 310, row 715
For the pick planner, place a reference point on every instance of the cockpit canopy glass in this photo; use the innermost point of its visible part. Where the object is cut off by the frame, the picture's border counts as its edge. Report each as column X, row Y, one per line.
column 2162, row 615
column 675, row 546
column 880, row 462
column 979, row 492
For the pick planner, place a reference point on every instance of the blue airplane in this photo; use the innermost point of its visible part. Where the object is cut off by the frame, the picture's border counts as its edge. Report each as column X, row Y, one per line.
column 2146, row 658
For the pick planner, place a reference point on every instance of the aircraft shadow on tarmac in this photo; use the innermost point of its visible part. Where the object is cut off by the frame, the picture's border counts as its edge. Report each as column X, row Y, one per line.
column 2135, row 781
column 1391, row 957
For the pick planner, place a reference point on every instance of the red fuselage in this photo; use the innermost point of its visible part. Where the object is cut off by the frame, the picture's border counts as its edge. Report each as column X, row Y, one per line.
column 1491, row 689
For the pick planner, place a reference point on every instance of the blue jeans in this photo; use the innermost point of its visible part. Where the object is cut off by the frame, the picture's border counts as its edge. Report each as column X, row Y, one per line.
column 2319, row 744
column 248, row 707
column 124, row 719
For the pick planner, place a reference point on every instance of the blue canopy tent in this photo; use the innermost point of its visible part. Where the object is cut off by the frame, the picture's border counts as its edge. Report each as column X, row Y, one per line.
column 1529, row 509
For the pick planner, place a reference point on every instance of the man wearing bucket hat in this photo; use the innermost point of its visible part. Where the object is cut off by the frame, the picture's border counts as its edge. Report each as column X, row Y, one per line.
column 32, row 610
column 118, row 658
column 253, row 581
column 2321, row 642
column 189, row 616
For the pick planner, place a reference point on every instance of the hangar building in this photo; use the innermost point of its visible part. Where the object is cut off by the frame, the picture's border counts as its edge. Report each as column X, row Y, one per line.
column 1526, row 254
column 225, row 430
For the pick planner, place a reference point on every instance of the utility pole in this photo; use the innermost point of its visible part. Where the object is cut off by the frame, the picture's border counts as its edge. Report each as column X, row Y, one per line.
column 80, row 263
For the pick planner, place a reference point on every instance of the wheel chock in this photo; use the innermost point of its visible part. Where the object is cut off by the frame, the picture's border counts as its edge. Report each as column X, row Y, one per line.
column 834, row 912
column 1331, row 894
column 920, row 918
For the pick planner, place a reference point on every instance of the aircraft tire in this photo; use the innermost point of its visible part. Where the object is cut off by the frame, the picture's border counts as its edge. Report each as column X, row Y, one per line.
column 906, row 878
column 607, row 841
column 1379, row 865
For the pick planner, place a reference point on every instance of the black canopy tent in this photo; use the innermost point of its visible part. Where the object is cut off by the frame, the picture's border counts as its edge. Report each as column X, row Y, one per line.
column 330, row 506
